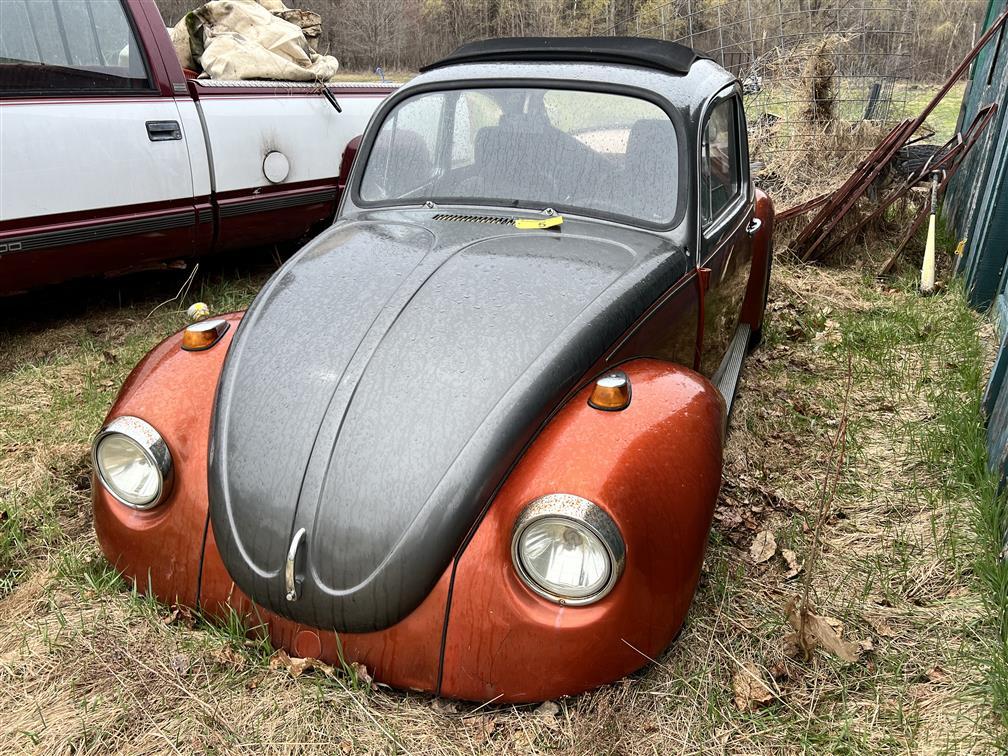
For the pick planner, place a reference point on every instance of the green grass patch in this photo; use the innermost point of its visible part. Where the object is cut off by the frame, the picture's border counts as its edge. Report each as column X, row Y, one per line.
column 944, row 117
column 930, row 352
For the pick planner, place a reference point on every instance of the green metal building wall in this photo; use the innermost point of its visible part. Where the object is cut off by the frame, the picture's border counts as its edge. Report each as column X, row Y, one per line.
column 975, row 210
column 976, row 203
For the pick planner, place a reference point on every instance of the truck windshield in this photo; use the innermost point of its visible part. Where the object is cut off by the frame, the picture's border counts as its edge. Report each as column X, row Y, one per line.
column 596, row 153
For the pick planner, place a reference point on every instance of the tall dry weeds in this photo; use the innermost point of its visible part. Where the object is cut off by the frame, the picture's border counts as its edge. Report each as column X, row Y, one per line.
column 818, row 85
column 813, row 145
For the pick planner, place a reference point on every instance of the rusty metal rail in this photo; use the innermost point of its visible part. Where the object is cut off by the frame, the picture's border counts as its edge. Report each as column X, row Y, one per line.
column 843, row 199
column 948, row 164
column 810, row 242
column 946, row 158
column 804, row 207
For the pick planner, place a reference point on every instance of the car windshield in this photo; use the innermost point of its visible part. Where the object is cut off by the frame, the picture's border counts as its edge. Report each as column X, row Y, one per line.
column 596, row 153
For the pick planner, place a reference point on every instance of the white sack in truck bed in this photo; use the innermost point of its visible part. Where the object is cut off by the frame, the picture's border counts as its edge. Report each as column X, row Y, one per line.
column 243, row 39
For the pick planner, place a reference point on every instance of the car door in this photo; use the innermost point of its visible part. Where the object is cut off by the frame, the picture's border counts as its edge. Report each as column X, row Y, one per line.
column 725, row 212
column 96, row 173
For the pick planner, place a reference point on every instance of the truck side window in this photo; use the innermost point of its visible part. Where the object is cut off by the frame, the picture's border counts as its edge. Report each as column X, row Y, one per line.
column 720, row 180
column 68, row 46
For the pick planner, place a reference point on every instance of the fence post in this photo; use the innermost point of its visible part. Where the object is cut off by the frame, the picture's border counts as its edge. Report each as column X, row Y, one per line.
column 780, row 21
column 689, row 18
column 720, row 32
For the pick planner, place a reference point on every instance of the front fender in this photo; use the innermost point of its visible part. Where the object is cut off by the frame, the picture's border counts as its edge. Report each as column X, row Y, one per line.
column 160, row 549
column 655, row 467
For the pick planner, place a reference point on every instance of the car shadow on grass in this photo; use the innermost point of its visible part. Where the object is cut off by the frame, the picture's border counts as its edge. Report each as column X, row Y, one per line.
column 57, row 321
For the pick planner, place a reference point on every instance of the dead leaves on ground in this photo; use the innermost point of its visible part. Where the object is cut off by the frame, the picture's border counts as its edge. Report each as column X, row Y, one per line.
column 744, row 504
column 296, row 667
column 882, row 627
column 180, row 614
column 750, row 684
column 751, row 693
column 228, row 657
column 763, row 547
column 794, row 566
column 813, row 631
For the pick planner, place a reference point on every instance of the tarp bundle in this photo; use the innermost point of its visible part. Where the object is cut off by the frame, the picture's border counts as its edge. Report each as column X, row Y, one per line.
column 252, row 39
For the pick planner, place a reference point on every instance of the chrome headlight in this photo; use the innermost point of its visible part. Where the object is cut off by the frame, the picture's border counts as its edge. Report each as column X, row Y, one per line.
column 567, row 549
column 133, row 462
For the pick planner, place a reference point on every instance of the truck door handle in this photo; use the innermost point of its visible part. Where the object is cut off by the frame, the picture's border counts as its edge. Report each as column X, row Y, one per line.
column 163, row 131
column 754, row 225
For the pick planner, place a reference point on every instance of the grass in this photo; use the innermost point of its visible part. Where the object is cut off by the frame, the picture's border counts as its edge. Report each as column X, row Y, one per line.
column 944, row 117
column 59, row 373
column 909, row 563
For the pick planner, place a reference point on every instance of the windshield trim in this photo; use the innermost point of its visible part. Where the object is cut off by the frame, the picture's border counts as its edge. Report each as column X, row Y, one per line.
column 378, row 120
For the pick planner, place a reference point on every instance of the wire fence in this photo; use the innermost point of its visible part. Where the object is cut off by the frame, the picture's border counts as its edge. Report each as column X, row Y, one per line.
column 800, row 67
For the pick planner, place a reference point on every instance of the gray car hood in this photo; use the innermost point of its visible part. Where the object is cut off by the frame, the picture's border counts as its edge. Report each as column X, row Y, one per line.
column 382, row 384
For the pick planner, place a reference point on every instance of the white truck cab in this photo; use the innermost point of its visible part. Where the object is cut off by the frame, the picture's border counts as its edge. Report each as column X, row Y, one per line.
column 113, row 159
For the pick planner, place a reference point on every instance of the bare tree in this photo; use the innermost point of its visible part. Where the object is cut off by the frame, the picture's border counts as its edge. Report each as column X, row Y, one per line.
column 928, row 34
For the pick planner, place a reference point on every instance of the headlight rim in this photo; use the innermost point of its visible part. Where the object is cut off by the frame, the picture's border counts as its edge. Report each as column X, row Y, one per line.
column 151, row 444
column 584, row 513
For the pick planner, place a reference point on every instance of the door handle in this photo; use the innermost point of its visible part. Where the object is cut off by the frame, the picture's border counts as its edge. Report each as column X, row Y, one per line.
column 163, row 131
column 290, row 582
column 754, row 225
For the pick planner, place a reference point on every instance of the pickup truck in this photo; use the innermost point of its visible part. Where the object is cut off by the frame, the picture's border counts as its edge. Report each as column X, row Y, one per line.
column 115, row 159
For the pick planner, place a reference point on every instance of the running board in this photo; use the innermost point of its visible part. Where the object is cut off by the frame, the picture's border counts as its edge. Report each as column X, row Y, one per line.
column 727, row 376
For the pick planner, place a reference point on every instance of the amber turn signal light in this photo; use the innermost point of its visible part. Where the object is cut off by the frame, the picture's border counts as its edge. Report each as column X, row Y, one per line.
column 203, row 335
column 611, row 392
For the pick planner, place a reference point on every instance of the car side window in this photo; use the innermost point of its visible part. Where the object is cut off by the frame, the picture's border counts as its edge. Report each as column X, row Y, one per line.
column 68, row 46
column 720, row 175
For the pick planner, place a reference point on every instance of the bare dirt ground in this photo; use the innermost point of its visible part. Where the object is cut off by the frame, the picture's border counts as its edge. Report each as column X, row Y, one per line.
column 89, row 666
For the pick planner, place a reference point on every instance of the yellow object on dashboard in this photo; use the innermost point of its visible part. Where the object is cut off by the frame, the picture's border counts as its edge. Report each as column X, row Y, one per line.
column 555, row 220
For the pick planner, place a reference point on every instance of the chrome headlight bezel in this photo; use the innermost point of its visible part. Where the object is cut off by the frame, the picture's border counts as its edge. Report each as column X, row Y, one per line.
column 583, row 514
column 151, row 444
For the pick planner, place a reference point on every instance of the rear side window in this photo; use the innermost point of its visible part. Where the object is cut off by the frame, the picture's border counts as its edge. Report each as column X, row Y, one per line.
column 720, row 178
column 68, row 46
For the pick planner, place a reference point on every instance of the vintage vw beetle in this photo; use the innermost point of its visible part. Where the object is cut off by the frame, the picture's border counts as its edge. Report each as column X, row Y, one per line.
column 471, row 435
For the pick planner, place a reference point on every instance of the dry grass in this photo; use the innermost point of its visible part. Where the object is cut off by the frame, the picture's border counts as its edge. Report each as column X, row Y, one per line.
column 87, row 666
column 810, row 135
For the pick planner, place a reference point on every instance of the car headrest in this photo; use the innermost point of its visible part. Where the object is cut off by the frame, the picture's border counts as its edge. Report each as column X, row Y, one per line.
column 649, row 142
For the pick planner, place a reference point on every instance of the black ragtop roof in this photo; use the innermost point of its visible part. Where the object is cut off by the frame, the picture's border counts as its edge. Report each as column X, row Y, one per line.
column 670, row 57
